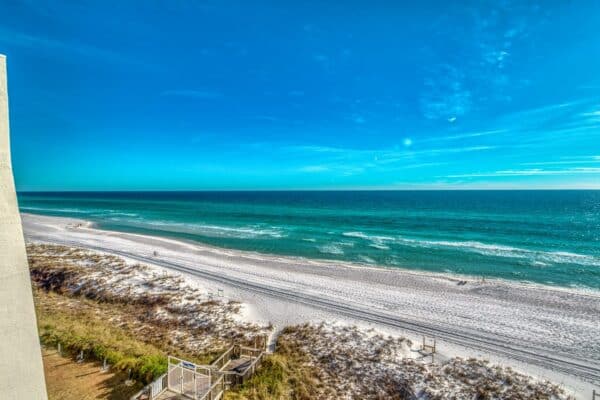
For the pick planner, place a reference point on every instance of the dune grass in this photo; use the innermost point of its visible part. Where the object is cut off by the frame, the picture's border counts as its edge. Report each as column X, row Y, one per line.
column 324, row 362
column 284, row 375
column 98, row 330
column 81, row 329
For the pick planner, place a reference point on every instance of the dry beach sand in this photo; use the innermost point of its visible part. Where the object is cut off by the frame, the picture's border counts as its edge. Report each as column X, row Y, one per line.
column 546, row 332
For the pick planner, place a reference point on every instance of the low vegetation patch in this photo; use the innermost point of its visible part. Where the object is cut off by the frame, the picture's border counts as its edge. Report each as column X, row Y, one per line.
column 286, row 374
column 84, row 325
column 130, row 314
column 134, row 316
column 342, row 362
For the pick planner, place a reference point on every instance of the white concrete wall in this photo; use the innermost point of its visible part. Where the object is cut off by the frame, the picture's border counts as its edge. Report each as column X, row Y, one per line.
column 21, row 369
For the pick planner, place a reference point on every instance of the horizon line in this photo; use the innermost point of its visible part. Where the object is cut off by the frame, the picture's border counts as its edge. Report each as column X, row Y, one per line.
column 312, row 190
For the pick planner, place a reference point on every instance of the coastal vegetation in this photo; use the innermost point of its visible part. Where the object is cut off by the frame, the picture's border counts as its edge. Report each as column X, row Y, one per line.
column 134, row 316
column 88, row 302
column 81, row 326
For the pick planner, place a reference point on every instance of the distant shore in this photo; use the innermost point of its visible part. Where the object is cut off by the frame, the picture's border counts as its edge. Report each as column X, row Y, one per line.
column 543, row 331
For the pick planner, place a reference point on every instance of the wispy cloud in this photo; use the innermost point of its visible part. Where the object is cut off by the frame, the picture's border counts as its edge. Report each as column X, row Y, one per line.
column 324, row 61
column 445, row 95
column 197, row 94
column 22, row 39
column 268, row 118
column 340, row 169
column 582, row 160
column 476, row 73
column 352, row 161
column 314, row 168
column 399, row 156
column 319, row 149
column 553, row 123
column 529, row 172
column 547, row 111
column 359, row 119
column 466, row 135
column 424, row 165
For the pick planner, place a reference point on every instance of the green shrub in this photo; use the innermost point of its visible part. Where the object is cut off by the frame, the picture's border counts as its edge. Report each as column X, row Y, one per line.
column 80, row 331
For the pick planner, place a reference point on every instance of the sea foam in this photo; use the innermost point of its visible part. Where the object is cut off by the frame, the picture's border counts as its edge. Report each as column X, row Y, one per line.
column 331, row 249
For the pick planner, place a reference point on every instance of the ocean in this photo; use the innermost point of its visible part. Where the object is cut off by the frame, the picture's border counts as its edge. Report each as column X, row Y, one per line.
column 547, row 237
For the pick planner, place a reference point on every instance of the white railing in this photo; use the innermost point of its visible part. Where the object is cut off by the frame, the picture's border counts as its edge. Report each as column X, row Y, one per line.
column 250, row 351
column 233, row 378
column 158, row 386
column 216, row 390
column 187, row 378
column 198, row 381
column 224, row 358
column 154, row 389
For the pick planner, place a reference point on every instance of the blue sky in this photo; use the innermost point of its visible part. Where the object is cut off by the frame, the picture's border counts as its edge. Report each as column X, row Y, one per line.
column 318, row 95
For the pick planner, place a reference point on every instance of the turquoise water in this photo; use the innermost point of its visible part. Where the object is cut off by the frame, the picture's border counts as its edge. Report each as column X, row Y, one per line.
column 550, row 237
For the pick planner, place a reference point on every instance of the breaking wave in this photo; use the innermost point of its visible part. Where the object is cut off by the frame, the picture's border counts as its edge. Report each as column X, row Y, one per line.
column 535, row 257
column 50, row 209
column 244, row 232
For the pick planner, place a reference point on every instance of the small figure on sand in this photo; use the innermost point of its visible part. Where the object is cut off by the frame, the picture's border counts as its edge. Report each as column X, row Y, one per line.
column 154, row 253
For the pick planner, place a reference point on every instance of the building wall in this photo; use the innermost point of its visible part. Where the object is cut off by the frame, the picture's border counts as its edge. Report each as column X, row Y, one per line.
column 21, row 368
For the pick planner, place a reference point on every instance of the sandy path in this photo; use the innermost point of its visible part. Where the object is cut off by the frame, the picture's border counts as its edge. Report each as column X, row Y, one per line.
column 67, row 379
column 556, row 330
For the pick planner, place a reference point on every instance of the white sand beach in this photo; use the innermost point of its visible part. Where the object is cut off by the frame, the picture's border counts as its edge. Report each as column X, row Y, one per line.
column 546, row 332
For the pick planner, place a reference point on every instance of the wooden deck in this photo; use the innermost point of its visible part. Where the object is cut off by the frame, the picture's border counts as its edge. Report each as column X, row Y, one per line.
column 238, row 365
column 168, row 395
column 204, row 382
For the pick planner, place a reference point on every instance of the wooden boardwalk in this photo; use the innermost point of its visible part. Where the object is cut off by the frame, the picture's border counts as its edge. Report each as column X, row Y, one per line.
column 238, row 365
column 186, row 380
column 168, row 395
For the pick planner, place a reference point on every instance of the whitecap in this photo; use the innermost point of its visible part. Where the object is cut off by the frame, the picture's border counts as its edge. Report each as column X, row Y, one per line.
column 355, row 234
column 66, row 210
column 362, row 235
column 498, row 250
column 379, row 246
column 245, row 232
column 330, row 249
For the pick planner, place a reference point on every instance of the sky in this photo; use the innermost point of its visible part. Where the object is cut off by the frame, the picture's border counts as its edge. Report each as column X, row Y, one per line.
column 220, row 95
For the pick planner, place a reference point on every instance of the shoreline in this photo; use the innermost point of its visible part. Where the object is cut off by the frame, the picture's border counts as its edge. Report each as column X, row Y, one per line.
column 544, row 331
column 324, row 263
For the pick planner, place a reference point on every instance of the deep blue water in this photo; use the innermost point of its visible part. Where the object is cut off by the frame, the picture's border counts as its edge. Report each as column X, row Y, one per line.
column 550, row 237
